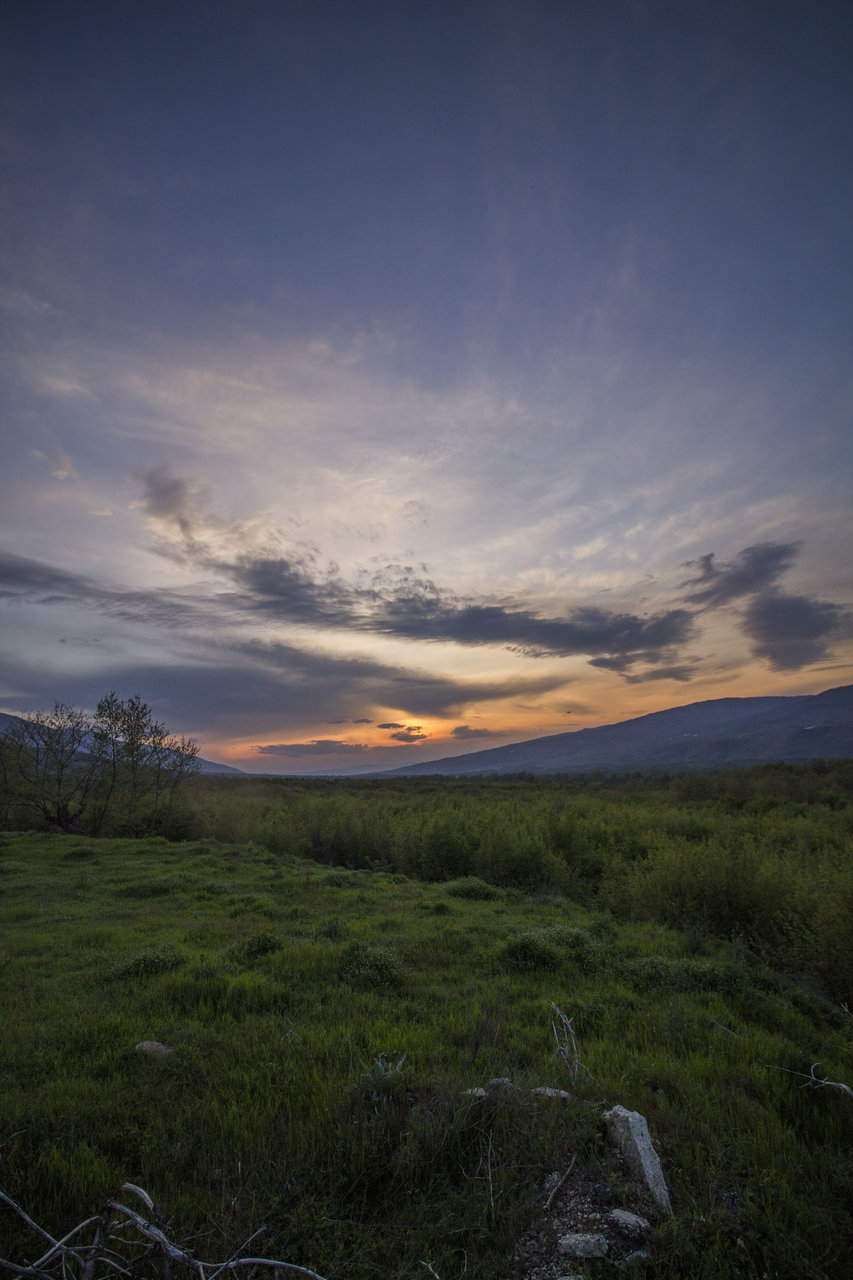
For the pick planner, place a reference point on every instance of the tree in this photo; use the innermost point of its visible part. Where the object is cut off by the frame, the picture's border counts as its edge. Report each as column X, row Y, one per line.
column 46, row 766
column 119, row 768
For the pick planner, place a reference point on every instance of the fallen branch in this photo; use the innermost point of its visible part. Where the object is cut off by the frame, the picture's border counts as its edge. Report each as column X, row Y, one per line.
column 555, row 1189
column 101, row 1256
column 811, row 1080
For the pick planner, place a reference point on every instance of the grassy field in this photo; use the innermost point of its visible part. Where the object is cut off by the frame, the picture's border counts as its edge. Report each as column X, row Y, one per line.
column 325, row 1022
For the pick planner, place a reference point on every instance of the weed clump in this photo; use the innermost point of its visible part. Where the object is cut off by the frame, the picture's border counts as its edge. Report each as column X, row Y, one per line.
column 145, row 964
column 255, row 946
column 368, row 966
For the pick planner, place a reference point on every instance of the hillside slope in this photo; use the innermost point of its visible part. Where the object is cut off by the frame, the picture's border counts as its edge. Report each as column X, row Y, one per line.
column 704, row 735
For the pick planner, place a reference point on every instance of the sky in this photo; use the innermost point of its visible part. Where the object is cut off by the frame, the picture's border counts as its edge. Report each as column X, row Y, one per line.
column 382, row 382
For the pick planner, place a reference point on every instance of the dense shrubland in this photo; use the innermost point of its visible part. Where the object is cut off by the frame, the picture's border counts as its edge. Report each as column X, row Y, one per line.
column 333, row 964
column 759, row 855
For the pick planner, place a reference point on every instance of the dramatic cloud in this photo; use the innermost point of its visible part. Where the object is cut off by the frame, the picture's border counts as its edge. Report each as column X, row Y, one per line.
column 409, row 735
column 755, row 569
column 790, row 632
column 319, row 747
column 396, row 600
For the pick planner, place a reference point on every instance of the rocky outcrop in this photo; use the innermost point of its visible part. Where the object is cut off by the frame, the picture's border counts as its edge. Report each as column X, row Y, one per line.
column 629, row 1132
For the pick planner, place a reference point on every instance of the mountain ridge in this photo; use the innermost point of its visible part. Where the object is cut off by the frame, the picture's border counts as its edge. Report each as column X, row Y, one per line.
column 715, row 733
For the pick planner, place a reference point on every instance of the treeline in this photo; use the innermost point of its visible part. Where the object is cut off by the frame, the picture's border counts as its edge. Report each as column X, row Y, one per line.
column 118, row 772
column 760, row 855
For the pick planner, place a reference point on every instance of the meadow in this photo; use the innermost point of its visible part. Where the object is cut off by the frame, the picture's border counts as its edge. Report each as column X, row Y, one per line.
column 334, row 964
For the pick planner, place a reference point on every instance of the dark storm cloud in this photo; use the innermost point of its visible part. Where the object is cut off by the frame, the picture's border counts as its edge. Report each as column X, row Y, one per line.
column 790, row 632
column 390, row 724
column 464, row 732
column 319, row 747
column 409, row 735
column 754, row 569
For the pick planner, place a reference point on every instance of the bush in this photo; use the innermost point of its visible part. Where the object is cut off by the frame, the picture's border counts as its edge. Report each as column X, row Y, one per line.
column 529, row 952
column 370, row 966
column 473, row 888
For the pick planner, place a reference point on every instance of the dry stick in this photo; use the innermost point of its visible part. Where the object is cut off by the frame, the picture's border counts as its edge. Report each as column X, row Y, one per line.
column 554, row 1190
column 98, row 1249
column 812, row 1081
column 271, row 1262
column 25, row 1271
column 171, row 1253
column 237, row 1252
column 60, row 1246
column 35, row 1226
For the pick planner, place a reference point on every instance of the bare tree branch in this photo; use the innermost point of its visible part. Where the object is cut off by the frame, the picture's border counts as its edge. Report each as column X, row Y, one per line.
column 114, row 1218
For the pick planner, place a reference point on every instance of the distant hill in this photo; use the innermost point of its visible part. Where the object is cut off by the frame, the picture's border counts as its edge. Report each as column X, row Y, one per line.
column 720, row 733
column 206, row 766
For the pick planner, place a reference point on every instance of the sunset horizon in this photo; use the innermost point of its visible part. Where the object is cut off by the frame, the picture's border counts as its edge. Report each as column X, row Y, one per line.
column 384, row 385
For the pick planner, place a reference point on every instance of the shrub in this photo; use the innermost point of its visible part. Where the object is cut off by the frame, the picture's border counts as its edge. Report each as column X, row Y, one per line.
column 473, row 888
column 577, row 945
column 530, row 951
column 370, row 966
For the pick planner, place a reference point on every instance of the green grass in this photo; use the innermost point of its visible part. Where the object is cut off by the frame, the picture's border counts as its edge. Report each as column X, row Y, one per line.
column 282, row 985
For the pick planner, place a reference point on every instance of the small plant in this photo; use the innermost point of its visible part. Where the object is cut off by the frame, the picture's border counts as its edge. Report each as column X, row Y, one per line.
column 567, row 1044
column 382, row 1076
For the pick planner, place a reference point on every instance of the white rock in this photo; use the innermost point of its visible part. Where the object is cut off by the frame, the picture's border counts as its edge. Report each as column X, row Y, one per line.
column 582, row 1246
column 629, row 1131
column 545, row 1092
column 152, row 1046
column 473, row 1093
column 630, row 1224
column 500, row 1082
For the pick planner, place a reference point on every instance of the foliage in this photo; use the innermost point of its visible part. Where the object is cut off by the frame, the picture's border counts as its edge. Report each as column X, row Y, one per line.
column 332, row 1109
column 117, row 771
